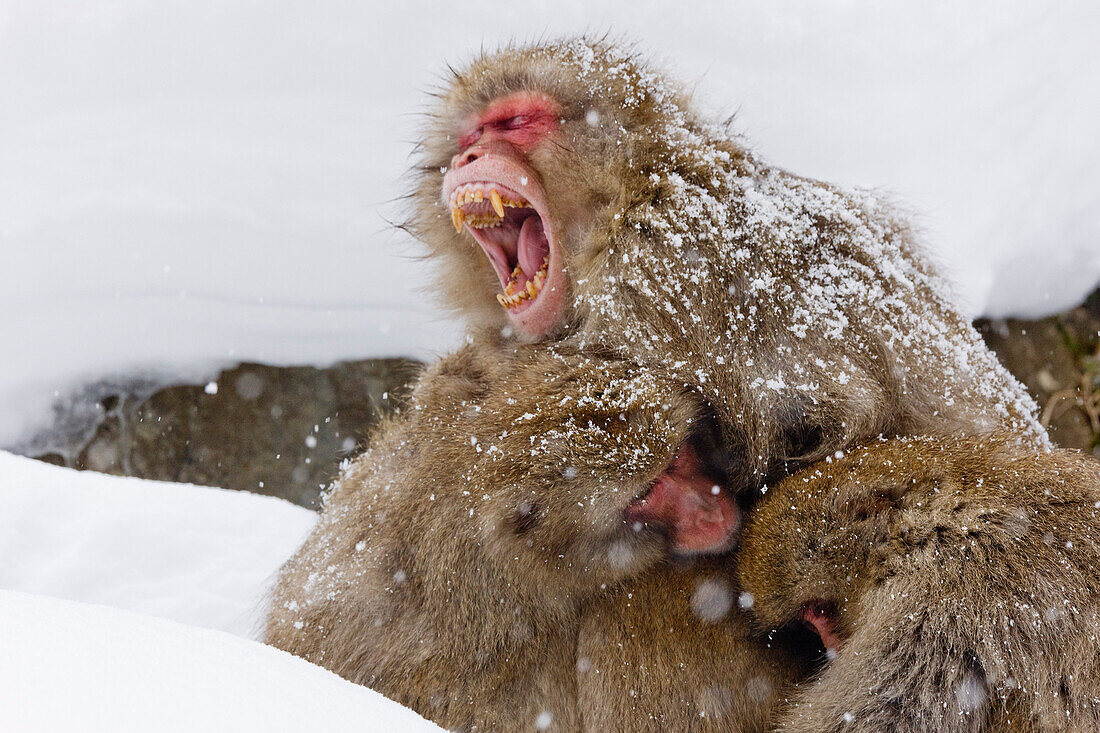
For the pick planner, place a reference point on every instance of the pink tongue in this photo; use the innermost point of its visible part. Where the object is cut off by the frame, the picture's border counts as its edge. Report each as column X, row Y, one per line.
column 532, row 245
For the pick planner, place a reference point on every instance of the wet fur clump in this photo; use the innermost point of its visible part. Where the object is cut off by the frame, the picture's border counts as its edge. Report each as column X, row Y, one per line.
column 960, row 573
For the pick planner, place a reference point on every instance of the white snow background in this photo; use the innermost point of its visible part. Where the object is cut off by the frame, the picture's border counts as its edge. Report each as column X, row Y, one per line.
column 186, row 184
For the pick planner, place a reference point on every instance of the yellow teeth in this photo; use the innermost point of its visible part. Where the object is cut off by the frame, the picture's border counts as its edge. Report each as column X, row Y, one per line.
column 478, row 219
column 484, row 221
column 531, row 291
column 514, row 281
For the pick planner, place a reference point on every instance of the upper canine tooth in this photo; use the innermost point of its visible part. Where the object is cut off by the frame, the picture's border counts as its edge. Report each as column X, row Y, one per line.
column 498, row 205
column 457, row 216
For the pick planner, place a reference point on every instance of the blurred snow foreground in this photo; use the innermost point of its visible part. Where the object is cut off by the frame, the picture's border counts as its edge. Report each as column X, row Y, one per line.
column 189, row 184
column 91, row 562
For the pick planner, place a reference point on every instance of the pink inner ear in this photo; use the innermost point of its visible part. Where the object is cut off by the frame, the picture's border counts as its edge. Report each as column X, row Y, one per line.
column 699, row 516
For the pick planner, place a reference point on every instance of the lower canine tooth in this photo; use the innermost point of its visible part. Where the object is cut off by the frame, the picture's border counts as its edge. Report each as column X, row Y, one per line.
column 501, row 300
column 531, row 289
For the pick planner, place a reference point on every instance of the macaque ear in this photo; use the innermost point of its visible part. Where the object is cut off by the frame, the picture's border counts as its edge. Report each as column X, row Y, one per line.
column 691, row 505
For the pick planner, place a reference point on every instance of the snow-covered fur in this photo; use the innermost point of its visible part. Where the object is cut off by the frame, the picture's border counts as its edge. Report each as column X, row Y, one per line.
column 806, row 313
column 454, row 559
column 959, row 574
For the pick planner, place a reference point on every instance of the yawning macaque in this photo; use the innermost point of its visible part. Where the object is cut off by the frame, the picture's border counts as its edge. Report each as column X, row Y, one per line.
column 569, row 192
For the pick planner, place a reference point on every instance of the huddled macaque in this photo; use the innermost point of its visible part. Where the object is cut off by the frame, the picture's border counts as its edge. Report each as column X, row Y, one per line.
column 953, row 581
column 454, row 560
column 568, row 192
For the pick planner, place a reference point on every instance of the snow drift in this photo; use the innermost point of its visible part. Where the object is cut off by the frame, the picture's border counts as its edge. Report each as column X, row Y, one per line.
column 71, row 666
column 124, row 551
column 197, row 555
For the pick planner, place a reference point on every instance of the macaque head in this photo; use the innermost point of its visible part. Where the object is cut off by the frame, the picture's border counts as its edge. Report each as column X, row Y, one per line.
column 814, row 544
column 525, row 162
column 494, row 190
column 601, row 474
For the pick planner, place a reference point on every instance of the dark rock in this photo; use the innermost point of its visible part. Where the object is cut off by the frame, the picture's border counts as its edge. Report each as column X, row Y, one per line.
column 279, row 431
column 283, row 431
column 1058, row 360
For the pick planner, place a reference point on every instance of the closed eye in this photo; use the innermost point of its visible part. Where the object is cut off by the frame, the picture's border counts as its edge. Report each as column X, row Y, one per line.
column 515, row 123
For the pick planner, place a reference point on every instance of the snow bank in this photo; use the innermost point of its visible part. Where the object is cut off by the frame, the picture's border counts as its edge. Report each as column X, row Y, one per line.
column 192, row 183
column 192, row 554
column 198, row 556
column 71, row 666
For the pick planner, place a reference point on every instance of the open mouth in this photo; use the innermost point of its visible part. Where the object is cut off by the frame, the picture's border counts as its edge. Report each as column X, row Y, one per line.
column 512, row 234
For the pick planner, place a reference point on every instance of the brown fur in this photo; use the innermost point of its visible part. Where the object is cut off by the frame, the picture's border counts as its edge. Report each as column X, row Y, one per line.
column 453, row 560
column 805, row 313
column 673, row 651
column 805, row 316
column 962, row 574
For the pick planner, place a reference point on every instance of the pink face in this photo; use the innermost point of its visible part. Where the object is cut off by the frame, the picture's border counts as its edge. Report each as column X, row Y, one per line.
column 821, row 617
column 496, row 195
column 699, row 516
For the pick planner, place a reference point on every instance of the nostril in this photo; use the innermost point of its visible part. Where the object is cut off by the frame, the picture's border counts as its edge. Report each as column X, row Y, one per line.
column 464, row 158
